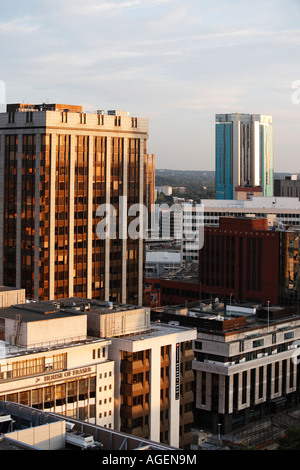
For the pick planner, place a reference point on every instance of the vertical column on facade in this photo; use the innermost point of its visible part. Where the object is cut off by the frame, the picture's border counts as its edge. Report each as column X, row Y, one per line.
column 198, row 380
column 19, row 211
column 209, row 390
column 272, row 379
column 52, row 217
column 256, row 386
column 222, row 394
column 230, row 394
column 124, row 222
column 154, row 417
column 265, row 383
column 236, row 153
column 107, row 201
column 141, row 239
column 248, row 388
column 280, row 378
column 240, row 390
column 71, row 215
column 2, row 163
column 292, row 371
column 174, row 415
column 37, row 217
column 90, row 218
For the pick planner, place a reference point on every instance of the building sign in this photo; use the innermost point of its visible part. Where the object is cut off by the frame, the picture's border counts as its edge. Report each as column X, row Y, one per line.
column 177, row 373
column 67, row 374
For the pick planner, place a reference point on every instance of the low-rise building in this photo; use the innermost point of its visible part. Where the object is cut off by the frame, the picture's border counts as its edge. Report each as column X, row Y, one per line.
column 48, row 362
column 11, row 295
column 246, row 361
column 101, row 362
column 26, row 428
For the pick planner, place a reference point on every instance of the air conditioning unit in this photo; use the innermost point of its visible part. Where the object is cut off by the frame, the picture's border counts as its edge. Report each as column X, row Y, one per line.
column 81, row 440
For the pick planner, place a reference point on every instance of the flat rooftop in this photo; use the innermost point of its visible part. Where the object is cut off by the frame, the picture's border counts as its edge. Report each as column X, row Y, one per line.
column 54, row 309
column 219, row 320
column 8, row 288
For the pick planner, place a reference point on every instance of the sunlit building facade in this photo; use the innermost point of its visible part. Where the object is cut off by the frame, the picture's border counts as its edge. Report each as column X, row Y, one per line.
column 244, row 153
column 59, row 166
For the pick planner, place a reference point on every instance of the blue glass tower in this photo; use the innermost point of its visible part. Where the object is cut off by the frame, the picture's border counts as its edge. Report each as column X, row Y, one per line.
column 224, row 163
column 243, row 154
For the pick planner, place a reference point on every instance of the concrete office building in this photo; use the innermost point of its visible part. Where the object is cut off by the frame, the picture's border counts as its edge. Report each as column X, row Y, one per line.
column 166, row 190
column 287, row 187
column 48, row 362
column 58, row 166
column 27, row 428
column 244, row 153
column 11, row 295
column 161, row 263
column 246, row 361
column 192, row 233
column 283, row 210
column 153, row 373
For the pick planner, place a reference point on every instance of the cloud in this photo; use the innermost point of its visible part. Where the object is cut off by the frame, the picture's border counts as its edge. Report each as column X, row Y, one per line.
column 90, row 7
column 22, row 25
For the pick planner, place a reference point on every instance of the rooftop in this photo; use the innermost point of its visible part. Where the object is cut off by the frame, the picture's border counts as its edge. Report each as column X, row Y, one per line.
column 220, row 318
column 271, row 203
column 21, row 422
column 53, row 309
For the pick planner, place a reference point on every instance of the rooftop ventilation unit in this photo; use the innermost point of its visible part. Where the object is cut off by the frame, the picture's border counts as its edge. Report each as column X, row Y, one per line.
column 81, row 440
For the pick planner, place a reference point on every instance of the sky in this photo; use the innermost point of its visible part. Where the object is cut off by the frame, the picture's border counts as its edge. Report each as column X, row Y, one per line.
column 175, row 62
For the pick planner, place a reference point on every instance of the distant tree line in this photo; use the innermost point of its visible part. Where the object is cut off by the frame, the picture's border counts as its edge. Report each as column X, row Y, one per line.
column 199, row 184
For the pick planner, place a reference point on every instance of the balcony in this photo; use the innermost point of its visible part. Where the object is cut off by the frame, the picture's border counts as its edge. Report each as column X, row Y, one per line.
column 142, row 432
column 164, row 383
column 135, row 367
column 135, row 411
column 188, row 355
column 164, row 405
column 187, row 397
column 187, row 418
column 135, row 389
column 164, row 361
column 164, row 425
column 186, row 440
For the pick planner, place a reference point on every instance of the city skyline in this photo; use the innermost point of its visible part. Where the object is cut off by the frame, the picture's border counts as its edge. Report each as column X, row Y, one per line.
column 176, row 63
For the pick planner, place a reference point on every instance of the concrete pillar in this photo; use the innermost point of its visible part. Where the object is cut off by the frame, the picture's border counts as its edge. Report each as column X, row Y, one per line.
column 19, row 210
column 154, row 418
column 141, row 240
column 107, row 240
column 90, row 218
column 174, row 400
column 37, row 217
column 124, row 222
column 52, row 216
column 2, row 169
column 71, row 214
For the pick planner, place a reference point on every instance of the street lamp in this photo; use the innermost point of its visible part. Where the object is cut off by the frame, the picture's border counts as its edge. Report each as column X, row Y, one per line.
column 219, row 431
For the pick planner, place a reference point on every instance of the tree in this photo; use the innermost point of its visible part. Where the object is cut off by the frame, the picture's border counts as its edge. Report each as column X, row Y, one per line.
column 291, row 439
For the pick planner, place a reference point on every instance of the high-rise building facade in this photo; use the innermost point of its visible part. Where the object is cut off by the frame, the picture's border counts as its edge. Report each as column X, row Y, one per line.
column 60, row 168
column 150, row 180
column 244, row 153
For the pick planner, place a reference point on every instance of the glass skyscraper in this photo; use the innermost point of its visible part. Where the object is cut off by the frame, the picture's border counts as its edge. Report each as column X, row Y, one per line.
column 244, row 153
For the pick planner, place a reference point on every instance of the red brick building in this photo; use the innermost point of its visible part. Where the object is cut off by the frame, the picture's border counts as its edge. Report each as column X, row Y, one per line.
column 241, row 258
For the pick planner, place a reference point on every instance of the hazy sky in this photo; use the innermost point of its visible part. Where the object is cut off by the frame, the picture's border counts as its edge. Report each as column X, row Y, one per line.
column 176, row 62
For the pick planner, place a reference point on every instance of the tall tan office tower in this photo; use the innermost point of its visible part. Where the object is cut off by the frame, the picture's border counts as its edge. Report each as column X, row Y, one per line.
column 58, row 165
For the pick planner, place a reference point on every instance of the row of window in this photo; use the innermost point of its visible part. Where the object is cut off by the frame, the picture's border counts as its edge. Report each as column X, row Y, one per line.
column 34, row 366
